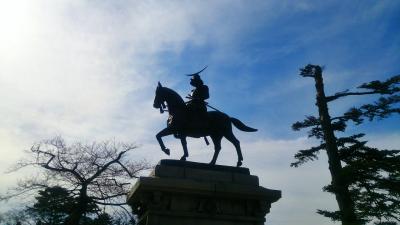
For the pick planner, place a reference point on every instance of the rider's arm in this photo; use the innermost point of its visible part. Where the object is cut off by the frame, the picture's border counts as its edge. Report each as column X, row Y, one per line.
column 206, row 95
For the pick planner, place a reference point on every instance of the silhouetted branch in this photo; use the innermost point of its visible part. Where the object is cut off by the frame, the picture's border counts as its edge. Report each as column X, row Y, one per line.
column 310, row 121
column 377, row 87
column 343, row 94
column 304, row 156
column 111, row 204
column 97, row 171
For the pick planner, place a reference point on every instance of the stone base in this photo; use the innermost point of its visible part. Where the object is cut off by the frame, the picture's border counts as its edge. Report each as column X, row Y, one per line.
column 188, row 193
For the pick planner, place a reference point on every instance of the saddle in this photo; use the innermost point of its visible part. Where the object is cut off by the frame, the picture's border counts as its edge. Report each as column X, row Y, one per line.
column 194, row 123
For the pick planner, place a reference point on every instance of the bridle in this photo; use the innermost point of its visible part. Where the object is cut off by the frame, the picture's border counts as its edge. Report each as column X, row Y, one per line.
column 160, row 103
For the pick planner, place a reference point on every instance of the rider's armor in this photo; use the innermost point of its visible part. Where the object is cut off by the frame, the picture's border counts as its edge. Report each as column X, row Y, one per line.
column 198, row 95
column 197, row 106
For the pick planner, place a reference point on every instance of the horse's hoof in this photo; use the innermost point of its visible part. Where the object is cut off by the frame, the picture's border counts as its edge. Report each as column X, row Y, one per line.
column 239, row 163
column 165, row 150
column 212, row 163
column 183, row 158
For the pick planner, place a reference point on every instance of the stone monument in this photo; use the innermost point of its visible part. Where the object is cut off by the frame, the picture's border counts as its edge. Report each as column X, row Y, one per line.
column 178, row 192
column 188, row 193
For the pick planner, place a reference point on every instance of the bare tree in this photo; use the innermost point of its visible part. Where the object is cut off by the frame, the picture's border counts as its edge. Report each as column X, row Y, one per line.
column 96, row 173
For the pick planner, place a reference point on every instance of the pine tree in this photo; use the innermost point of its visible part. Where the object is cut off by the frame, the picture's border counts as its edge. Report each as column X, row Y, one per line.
column 364, row 180
column 54, row 204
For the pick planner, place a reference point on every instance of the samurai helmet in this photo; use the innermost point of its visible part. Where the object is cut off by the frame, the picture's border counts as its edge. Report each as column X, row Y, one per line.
column 196, row 80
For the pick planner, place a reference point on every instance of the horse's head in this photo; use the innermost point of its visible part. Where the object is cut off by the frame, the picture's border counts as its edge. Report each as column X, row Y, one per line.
column 159, row 98
column 170, row 97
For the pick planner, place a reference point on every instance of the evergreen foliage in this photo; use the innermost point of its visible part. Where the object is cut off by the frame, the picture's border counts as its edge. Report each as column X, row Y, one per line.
column 52, row 206
column 365, row 180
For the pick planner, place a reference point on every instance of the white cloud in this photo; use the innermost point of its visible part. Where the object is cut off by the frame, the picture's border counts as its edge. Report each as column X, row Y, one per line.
column 387, row 141
column 87, row 71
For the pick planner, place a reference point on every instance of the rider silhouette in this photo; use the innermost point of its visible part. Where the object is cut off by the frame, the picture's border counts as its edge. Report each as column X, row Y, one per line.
column 197, row 106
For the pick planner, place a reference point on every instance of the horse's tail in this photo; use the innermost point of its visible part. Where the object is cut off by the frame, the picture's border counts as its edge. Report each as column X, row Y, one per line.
column 241, row 126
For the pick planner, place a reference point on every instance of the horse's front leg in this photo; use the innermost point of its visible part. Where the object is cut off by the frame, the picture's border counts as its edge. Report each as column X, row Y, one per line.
column 167, row 131
column 185, row 150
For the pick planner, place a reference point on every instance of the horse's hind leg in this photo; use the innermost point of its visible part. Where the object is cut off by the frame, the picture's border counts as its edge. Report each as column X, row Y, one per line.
column 236, row 143
column 217, row 147
column 185, row 150
column 159, row 136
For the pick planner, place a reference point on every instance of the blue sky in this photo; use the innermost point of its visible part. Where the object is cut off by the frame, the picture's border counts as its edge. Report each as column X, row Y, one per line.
column 87, row 70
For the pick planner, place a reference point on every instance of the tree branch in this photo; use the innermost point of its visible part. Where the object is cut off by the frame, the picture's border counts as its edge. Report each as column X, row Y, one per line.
column 106, row 197
column 343, row 94
column 307, row 155
column 108, row 164
column 111, row 204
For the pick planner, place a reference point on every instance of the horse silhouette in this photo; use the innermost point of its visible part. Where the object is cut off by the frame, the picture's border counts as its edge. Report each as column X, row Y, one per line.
column 216, row 124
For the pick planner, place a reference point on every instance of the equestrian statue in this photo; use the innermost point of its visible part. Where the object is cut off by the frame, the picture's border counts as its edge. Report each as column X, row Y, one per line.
column 191, row 119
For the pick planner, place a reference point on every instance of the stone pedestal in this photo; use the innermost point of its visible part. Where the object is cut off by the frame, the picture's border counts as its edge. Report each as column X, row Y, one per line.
column 188, row 193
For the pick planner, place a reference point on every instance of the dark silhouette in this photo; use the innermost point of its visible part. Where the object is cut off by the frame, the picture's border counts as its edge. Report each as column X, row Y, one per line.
column 197, row 107
column 215, row 124
column 365, row 180
column 54, row 204
column 95, row 173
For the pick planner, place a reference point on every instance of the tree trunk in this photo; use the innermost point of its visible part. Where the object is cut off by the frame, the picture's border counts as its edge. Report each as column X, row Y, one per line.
column 339, row 184
column 80, row 209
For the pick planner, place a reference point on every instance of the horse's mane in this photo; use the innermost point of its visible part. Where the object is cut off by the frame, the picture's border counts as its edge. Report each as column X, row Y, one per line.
column 174, row 96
